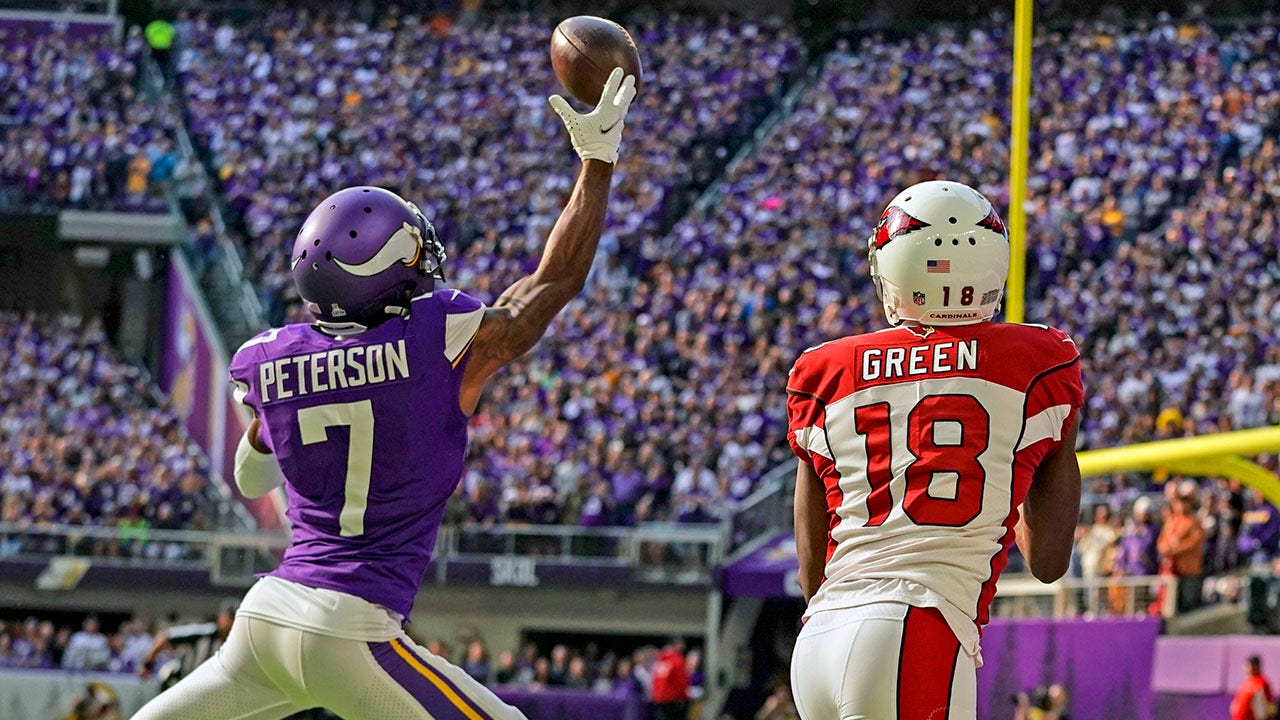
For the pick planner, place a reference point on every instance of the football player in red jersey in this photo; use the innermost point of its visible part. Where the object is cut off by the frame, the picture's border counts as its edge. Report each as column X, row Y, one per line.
column 918, row 444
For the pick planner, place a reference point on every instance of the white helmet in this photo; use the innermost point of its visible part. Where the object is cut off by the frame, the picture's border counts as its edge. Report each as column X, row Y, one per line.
column 939, row 256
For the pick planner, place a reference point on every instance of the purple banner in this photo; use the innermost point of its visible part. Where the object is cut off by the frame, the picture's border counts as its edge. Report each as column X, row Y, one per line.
column 1104, row 664
column 193, row 371
column 769, row 571
column 530, row 572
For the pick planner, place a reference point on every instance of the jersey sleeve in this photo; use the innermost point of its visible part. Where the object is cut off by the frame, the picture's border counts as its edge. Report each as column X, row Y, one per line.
column 462, row 317
column 244, row 380
column 806, row 407
column 1055, row 395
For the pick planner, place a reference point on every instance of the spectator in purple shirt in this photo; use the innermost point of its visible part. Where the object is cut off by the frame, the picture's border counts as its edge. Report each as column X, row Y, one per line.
column 1137, row 554
column 1259, row 530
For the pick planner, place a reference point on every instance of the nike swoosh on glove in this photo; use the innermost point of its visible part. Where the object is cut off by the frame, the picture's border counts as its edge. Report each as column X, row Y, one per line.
column 598, row 134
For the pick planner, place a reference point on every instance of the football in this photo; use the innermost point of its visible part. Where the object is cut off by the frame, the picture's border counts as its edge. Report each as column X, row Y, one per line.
column 585, row 49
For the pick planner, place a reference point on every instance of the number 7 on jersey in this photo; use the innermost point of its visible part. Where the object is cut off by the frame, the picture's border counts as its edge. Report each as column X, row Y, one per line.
column 314, row 423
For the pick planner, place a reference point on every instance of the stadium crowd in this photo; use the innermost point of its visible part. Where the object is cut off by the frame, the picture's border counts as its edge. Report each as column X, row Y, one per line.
column 40, row 644
column 73, row 131
column 1152, row 224
column 468, row 143
column 662, row 386
column 659, row 674
column 292, row 106
column 85, row 440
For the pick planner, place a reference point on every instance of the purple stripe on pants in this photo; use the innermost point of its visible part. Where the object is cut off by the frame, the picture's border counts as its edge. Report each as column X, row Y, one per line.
column 422, row 689
column 445, row 678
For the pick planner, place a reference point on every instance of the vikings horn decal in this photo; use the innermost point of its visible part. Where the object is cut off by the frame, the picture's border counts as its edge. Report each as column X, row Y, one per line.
column 404, row 245
column 894, row 222
column 993, row 222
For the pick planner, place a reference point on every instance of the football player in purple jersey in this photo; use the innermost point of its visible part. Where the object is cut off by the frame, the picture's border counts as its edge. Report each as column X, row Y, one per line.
column 362, row 416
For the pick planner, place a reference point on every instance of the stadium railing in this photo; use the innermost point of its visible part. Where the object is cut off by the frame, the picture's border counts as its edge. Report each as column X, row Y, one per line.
column 1024, row 596
column 656, row 553
column 764, row 512
column 228, row 293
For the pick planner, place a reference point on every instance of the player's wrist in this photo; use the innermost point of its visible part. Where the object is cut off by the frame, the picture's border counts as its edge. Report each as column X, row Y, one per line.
column 605, row 155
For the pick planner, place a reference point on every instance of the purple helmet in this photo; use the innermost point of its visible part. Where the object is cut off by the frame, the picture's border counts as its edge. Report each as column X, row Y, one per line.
column 362, row 255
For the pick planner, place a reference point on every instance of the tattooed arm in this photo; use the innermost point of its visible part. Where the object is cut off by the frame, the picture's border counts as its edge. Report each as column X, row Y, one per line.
column 519, row 318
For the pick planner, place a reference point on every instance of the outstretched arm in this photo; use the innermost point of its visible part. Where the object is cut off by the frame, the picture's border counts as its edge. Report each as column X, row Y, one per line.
column 521, row 315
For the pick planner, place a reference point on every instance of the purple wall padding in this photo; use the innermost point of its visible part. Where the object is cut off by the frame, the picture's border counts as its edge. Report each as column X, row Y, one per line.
column 1190, row 666
column 1195, row 677
column 1105, row 664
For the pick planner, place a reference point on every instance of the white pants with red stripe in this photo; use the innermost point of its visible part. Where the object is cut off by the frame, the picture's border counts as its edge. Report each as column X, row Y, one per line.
column 884, row 661
column 270, row 668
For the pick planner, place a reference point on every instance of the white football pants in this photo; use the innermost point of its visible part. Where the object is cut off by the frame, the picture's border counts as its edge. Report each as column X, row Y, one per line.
column 267, row 670
column 884, row 661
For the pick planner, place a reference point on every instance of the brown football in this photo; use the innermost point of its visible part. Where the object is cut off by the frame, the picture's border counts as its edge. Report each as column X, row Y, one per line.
column 585, row 49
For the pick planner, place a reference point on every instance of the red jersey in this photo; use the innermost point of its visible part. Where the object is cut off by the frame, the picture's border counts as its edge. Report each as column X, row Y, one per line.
column 927, row 440
column 1252, row 699
column 670, row 680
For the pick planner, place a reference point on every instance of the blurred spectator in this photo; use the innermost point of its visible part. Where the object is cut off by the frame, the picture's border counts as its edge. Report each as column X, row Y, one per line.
column 1181, row 543
column 576, row 677
column 671, row 683
column 558, row 670
column 88, row 648
column 1097, row 543
column 779, row 705
column 1259, row 530
column 506, row 672
column 1137, row 555
column 1045, row 703
column 98, row 702
column 476, row 663
column 1253, row 699
column 177, row 651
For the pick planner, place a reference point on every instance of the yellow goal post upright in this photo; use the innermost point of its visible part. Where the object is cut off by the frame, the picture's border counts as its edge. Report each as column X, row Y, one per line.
column 1020, row 116
column 1218, row 454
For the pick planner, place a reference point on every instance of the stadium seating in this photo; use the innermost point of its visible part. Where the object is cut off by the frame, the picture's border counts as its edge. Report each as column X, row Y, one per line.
column 86, row 440
column 647, row 402
column 657, row 394
column 90, row 645
column 293, row 107
column 73, row 132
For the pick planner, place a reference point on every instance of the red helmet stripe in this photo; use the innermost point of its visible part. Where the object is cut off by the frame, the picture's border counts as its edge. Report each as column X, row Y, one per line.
column 993, row 222
column 894, row 222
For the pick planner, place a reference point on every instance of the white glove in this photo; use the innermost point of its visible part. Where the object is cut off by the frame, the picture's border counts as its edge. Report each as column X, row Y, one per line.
column 598, row 134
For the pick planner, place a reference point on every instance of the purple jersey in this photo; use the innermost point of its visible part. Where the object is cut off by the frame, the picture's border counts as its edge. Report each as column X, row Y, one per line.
column 371, row 441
